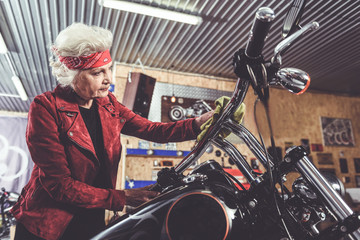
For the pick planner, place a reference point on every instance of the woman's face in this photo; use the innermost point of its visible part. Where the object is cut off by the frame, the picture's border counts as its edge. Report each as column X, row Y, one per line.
column 93, row 83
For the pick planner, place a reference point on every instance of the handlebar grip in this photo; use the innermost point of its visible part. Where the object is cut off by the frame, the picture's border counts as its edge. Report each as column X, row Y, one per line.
column 259, row 30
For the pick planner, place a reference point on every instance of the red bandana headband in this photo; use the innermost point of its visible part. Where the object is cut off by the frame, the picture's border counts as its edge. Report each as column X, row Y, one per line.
column 93, row 60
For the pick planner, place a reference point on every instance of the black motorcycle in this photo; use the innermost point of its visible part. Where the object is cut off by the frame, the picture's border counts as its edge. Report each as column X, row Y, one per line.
column 7, row 201
column 209, row 203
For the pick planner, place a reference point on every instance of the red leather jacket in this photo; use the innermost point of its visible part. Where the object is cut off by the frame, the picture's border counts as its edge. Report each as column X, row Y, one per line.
column 66, row 163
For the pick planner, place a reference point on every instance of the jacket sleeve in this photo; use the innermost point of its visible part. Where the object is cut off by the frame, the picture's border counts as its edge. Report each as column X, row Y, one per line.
column 140, row 127
column 48, row 154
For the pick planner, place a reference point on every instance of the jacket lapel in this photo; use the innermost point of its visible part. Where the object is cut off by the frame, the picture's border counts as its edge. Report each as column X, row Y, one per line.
column 72, row 122
column 109, row 122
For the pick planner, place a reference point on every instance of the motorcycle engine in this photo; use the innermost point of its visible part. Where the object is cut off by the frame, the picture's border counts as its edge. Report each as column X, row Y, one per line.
column 177, row 112
column 307, row 208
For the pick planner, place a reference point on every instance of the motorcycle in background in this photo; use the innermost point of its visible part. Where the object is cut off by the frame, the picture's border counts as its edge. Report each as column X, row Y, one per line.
column 7, row 201
column 177, row 112
column 208, row 204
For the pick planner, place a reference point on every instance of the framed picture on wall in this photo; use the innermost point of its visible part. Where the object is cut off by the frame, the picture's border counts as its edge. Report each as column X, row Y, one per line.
column 325, row 158
column 337, row 132
column 357, row 181
column 317, row 147
column 343, row 165
column 357, row 165
column 328, row 170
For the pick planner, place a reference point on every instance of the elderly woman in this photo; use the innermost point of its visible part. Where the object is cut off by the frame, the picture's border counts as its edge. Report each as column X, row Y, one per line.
column 73, row 135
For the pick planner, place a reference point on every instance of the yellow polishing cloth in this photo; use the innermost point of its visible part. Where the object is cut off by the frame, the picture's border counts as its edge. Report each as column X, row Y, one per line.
column 220, row 103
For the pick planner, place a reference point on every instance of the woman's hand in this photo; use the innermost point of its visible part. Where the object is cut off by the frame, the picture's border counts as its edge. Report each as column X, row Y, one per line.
column 203, row 118
column 137, row 196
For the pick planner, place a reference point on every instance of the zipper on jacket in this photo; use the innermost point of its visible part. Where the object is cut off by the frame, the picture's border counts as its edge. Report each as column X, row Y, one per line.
column 94, row 155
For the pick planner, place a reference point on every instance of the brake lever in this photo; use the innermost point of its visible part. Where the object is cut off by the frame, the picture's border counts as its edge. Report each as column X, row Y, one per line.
column 284, row 44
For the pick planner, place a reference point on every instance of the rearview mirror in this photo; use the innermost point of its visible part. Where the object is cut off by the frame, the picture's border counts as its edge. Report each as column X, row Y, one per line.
column 292, row 79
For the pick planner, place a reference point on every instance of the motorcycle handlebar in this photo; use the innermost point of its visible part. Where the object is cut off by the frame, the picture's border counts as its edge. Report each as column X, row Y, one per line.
column 259, row 31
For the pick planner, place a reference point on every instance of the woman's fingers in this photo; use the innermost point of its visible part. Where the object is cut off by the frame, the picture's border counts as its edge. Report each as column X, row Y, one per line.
column 137, row 196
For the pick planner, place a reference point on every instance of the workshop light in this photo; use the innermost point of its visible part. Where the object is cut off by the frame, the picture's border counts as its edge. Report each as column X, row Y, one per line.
column 151, row 11
column 3, row 48
column 15, row 79
column 19, row 88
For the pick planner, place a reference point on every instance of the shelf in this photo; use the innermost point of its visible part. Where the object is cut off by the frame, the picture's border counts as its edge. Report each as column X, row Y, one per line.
column 159, row 168
column 156, row 152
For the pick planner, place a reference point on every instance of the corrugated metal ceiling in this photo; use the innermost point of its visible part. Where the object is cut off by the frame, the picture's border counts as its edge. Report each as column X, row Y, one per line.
column 330, row 55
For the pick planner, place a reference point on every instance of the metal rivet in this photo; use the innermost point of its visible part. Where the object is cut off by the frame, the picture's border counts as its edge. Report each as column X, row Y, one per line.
column 122, row 120
column 71, row 133
column 252, row 203
column 69, row 114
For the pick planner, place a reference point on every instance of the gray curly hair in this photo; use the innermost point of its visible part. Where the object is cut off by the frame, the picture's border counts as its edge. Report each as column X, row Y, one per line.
column 77, row 40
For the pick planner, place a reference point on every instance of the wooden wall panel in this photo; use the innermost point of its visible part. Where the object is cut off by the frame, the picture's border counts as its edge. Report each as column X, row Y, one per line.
column 294, row 117
column 298, row 117
column 140, row 167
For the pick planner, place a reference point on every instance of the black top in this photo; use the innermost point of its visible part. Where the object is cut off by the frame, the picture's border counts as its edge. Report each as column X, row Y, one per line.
column 93, row 125
column 87, row 222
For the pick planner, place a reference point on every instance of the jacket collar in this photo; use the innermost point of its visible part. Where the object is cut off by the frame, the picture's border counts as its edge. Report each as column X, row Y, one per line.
column 66, row 99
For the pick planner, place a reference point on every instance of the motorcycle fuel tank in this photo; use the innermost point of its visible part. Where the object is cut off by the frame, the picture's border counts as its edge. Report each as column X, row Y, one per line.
column 196, row 210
